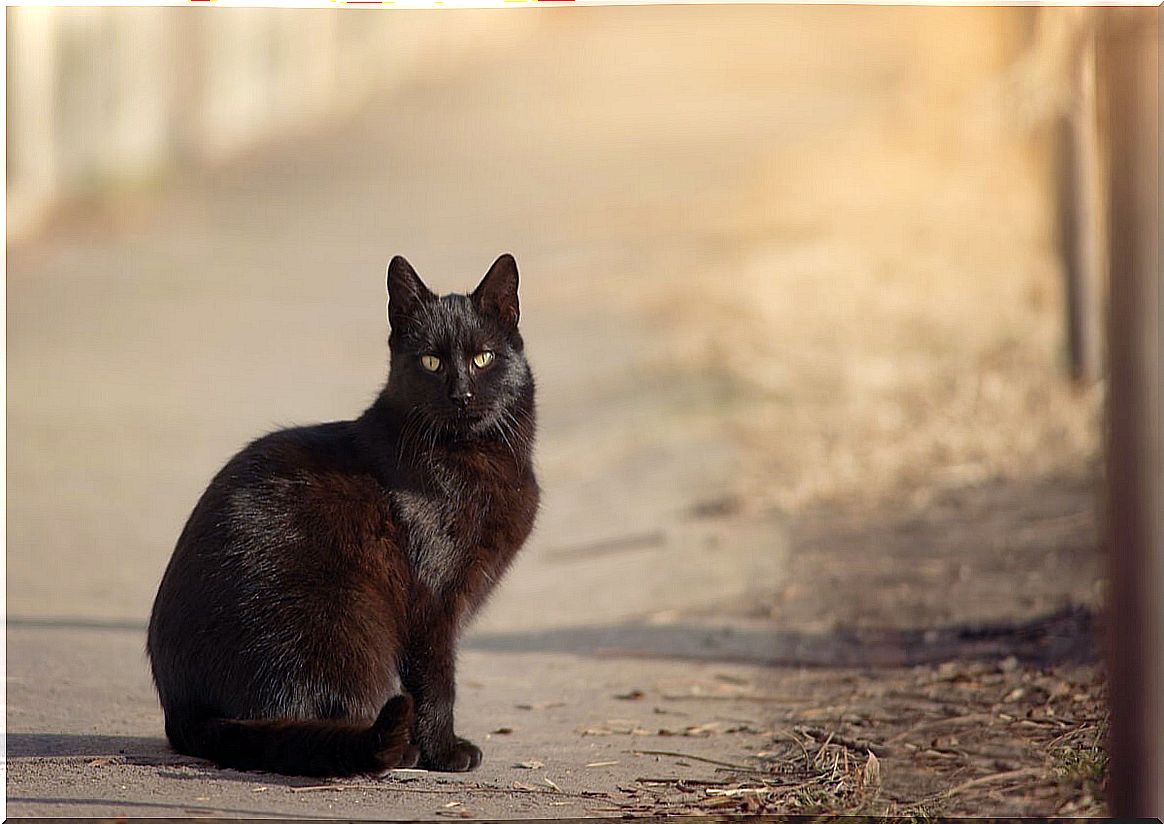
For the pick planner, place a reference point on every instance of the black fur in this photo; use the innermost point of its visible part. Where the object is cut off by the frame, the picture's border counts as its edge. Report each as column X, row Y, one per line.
column 307, row 621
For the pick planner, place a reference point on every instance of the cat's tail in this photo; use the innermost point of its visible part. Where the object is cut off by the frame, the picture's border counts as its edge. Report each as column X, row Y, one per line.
column 293, row 747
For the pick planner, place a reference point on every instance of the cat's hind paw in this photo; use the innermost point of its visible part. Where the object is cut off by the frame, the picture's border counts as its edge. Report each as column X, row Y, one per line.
column 408, row 760
column 391, row 747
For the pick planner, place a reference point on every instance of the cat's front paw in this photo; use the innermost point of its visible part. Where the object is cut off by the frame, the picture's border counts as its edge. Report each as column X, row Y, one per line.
column 461, row 756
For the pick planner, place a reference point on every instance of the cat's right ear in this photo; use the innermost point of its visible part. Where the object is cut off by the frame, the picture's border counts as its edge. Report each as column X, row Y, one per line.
column 406, row 291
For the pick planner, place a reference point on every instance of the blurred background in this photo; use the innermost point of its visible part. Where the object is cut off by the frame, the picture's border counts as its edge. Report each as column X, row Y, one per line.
column 813, row 318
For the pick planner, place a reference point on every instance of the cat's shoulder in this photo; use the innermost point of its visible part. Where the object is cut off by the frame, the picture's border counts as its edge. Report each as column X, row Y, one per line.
column 300, row 452
column 321, row 467
column 321, row 442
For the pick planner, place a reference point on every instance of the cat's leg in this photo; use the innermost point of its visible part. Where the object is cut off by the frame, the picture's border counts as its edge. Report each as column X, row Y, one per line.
column 429, row 676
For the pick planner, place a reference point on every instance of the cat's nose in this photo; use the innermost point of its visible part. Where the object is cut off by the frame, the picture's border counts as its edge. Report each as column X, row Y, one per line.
column 461, row 399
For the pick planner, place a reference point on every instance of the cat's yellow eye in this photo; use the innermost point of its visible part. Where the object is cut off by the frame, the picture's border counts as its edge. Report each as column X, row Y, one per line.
column 483, row 359
column 430, row 362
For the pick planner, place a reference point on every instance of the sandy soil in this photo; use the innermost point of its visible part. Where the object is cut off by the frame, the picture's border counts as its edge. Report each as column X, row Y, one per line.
column 820, row 523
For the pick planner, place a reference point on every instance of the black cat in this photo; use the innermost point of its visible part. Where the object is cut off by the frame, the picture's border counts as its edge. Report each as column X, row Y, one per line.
column 308, row 618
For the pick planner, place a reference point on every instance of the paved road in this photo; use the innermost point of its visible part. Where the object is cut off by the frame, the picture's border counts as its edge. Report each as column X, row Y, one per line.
column 143, row 351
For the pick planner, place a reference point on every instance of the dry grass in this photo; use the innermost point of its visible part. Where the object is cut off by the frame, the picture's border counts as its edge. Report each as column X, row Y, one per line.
column 955, row 739
column 893, row 323
column 883, row 318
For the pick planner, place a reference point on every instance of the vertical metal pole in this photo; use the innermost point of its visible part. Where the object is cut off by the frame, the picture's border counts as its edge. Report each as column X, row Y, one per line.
column 1081, row 217
column 1130, row 72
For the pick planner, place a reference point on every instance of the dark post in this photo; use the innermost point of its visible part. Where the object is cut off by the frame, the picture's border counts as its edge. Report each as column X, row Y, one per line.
column 1130, row 82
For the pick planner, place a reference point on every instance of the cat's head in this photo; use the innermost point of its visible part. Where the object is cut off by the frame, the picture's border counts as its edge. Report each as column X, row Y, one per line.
column 457, row 360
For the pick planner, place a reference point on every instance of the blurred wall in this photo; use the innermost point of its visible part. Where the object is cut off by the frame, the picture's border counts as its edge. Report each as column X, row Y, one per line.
column 107, row 99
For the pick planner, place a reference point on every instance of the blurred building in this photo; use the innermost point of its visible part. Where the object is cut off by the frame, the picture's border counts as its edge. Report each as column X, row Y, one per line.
column 116, row 98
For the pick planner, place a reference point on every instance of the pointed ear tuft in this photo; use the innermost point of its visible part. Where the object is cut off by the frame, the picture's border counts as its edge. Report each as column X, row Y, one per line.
column 496, row 294
column 406, row 291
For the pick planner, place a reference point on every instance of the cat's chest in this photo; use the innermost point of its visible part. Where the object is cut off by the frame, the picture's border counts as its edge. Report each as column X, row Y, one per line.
column 461, row 518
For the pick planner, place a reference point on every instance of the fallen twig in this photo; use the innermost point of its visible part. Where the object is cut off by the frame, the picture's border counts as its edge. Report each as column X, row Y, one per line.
column 991, row 779
column 458, row 790
column 973, row 718
column 320, row 788
column 695, row 758
column 849, row 743
column 820, row 752
column 780, row 699
column 735, row 768
column 693, row 781
column 803, row 749
column 740, row 791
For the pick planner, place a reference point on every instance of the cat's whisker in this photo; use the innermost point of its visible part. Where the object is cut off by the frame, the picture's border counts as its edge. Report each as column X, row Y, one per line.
column 513, row 425
column 411, row 434
column 501, row 427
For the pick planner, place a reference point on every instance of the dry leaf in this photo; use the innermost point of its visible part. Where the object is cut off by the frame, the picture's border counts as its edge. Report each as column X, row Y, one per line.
column 530, row 765
column 710, row 728
column 871, row 772
column 616, row 726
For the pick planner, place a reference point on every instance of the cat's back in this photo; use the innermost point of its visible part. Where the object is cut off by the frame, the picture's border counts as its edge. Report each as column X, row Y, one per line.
column 290, row 551
column 288, row 482
column 292, row 504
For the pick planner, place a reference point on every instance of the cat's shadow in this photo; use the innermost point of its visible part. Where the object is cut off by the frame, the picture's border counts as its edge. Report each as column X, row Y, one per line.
column 64, row 745
column 108, row 750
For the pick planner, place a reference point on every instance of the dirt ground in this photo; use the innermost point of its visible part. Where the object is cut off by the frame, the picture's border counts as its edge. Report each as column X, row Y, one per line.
column 820, row 529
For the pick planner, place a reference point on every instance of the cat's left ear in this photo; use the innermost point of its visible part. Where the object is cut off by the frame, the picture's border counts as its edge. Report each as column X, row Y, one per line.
column 496, row 294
